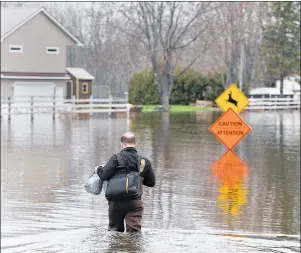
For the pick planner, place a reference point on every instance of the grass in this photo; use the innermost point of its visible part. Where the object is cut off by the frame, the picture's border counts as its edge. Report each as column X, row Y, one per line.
column 178, row 108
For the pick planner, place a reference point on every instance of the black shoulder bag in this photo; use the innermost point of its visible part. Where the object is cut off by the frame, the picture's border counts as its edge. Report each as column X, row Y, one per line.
column 125, row 184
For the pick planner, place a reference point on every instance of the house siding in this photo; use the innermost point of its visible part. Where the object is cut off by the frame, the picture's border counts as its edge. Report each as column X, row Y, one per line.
column 7, row 86
column 37, row 34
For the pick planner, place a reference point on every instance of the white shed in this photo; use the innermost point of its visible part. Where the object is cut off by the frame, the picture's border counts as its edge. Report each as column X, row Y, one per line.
column 291, row 88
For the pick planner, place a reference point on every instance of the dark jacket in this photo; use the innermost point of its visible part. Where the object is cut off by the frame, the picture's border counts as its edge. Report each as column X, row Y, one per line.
column 106, row 172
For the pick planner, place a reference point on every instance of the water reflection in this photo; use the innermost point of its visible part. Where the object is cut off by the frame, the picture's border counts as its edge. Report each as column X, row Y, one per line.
column 231, row 172
column 45, row 164
column 232, row 198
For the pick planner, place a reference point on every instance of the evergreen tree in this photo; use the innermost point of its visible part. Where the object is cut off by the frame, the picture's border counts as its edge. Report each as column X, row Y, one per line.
column 281, row 41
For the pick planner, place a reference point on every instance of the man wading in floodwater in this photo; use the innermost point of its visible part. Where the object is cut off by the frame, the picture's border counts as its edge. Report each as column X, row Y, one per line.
column 124, row 188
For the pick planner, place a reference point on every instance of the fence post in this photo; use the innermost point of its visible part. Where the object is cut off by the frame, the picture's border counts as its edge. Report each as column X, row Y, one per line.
column 91, row 106
column 73, row 104
column 288, row 102
column 127, row 105
column 9, row 107
column 53, row 108
column 31, row 108
column 275, row 103
column 110, row 105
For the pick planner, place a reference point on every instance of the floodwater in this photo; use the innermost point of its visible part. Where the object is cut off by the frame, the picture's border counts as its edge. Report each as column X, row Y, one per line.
column 193, row 208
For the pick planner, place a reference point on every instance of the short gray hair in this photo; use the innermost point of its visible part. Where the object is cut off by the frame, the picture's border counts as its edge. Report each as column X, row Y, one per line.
column 128, row 138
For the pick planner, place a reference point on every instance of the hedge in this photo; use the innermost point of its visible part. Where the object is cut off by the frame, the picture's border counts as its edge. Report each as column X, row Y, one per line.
column 187, row 88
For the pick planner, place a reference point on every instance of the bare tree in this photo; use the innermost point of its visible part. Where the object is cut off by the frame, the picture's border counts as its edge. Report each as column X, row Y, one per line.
column 239, row 41
column 164, row 28
column 106, row 52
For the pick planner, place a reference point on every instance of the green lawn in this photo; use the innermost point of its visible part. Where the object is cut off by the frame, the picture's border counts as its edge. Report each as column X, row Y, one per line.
column 178, row 108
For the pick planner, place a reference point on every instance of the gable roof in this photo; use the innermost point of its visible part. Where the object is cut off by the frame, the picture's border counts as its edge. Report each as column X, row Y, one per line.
column 13, row 18
column 80, row 73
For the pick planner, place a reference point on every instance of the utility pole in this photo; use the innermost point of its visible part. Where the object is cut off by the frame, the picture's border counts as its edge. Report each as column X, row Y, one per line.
column 241, row 65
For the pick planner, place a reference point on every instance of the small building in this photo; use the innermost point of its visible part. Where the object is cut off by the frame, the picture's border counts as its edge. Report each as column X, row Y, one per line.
column 291, row 89
column 80, row 84
column 267, row 92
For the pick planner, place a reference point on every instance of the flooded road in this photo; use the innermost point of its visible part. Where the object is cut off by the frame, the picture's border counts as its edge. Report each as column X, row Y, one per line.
column 193, row 208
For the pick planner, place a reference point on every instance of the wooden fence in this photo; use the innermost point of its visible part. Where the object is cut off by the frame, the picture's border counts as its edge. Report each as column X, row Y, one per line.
column 38, row 105
column 273, row 103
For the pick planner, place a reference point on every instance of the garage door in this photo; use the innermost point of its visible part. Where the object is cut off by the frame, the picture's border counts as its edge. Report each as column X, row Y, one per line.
column 41, row 91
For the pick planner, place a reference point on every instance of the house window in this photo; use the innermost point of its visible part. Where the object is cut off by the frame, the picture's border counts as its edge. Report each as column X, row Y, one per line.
column 85, row 88
column 15, row 49
column 52, row 50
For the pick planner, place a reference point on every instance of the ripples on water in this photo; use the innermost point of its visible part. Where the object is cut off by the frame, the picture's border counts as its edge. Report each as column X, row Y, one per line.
column 44, row 207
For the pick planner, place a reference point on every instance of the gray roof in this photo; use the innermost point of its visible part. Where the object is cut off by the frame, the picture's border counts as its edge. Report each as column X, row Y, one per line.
column 11, row 17
column 80, row 73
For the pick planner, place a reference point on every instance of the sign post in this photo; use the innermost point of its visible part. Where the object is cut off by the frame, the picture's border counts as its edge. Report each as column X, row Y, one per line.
column 230, row 129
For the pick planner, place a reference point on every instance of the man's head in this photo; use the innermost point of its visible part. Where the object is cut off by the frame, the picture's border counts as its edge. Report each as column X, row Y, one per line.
column 128, row 139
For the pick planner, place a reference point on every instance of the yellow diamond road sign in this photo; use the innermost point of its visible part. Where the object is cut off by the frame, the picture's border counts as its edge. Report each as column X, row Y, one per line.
column 233, row 98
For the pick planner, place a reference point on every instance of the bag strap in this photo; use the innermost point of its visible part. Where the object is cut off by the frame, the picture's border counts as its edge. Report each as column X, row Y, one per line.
column 139, row 162
column 121, row 161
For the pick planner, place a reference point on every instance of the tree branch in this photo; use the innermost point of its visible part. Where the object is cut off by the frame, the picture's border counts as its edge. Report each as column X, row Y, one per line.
column 129, row 34
column 176, row 25
column 144, row 18
column 132, row 21
column 192, row 40
column 186, row 27
column 172, row 12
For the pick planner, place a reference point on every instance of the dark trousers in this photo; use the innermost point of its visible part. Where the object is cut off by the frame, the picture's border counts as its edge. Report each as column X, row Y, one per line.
column 130, row 211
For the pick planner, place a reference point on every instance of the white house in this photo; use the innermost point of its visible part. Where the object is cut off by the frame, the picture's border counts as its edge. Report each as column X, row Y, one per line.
column 291, row 88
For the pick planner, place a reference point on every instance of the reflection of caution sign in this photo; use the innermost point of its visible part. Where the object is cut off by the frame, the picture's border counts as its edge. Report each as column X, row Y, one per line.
column 232, row 199
column 232, row 98
column 230, row 128
column 231, row 171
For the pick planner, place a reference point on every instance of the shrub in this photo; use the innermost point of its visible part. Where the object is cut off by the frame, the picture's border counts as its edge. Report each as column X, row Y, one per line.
column 214, row 85
column 142, row 88
column 187, row 88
